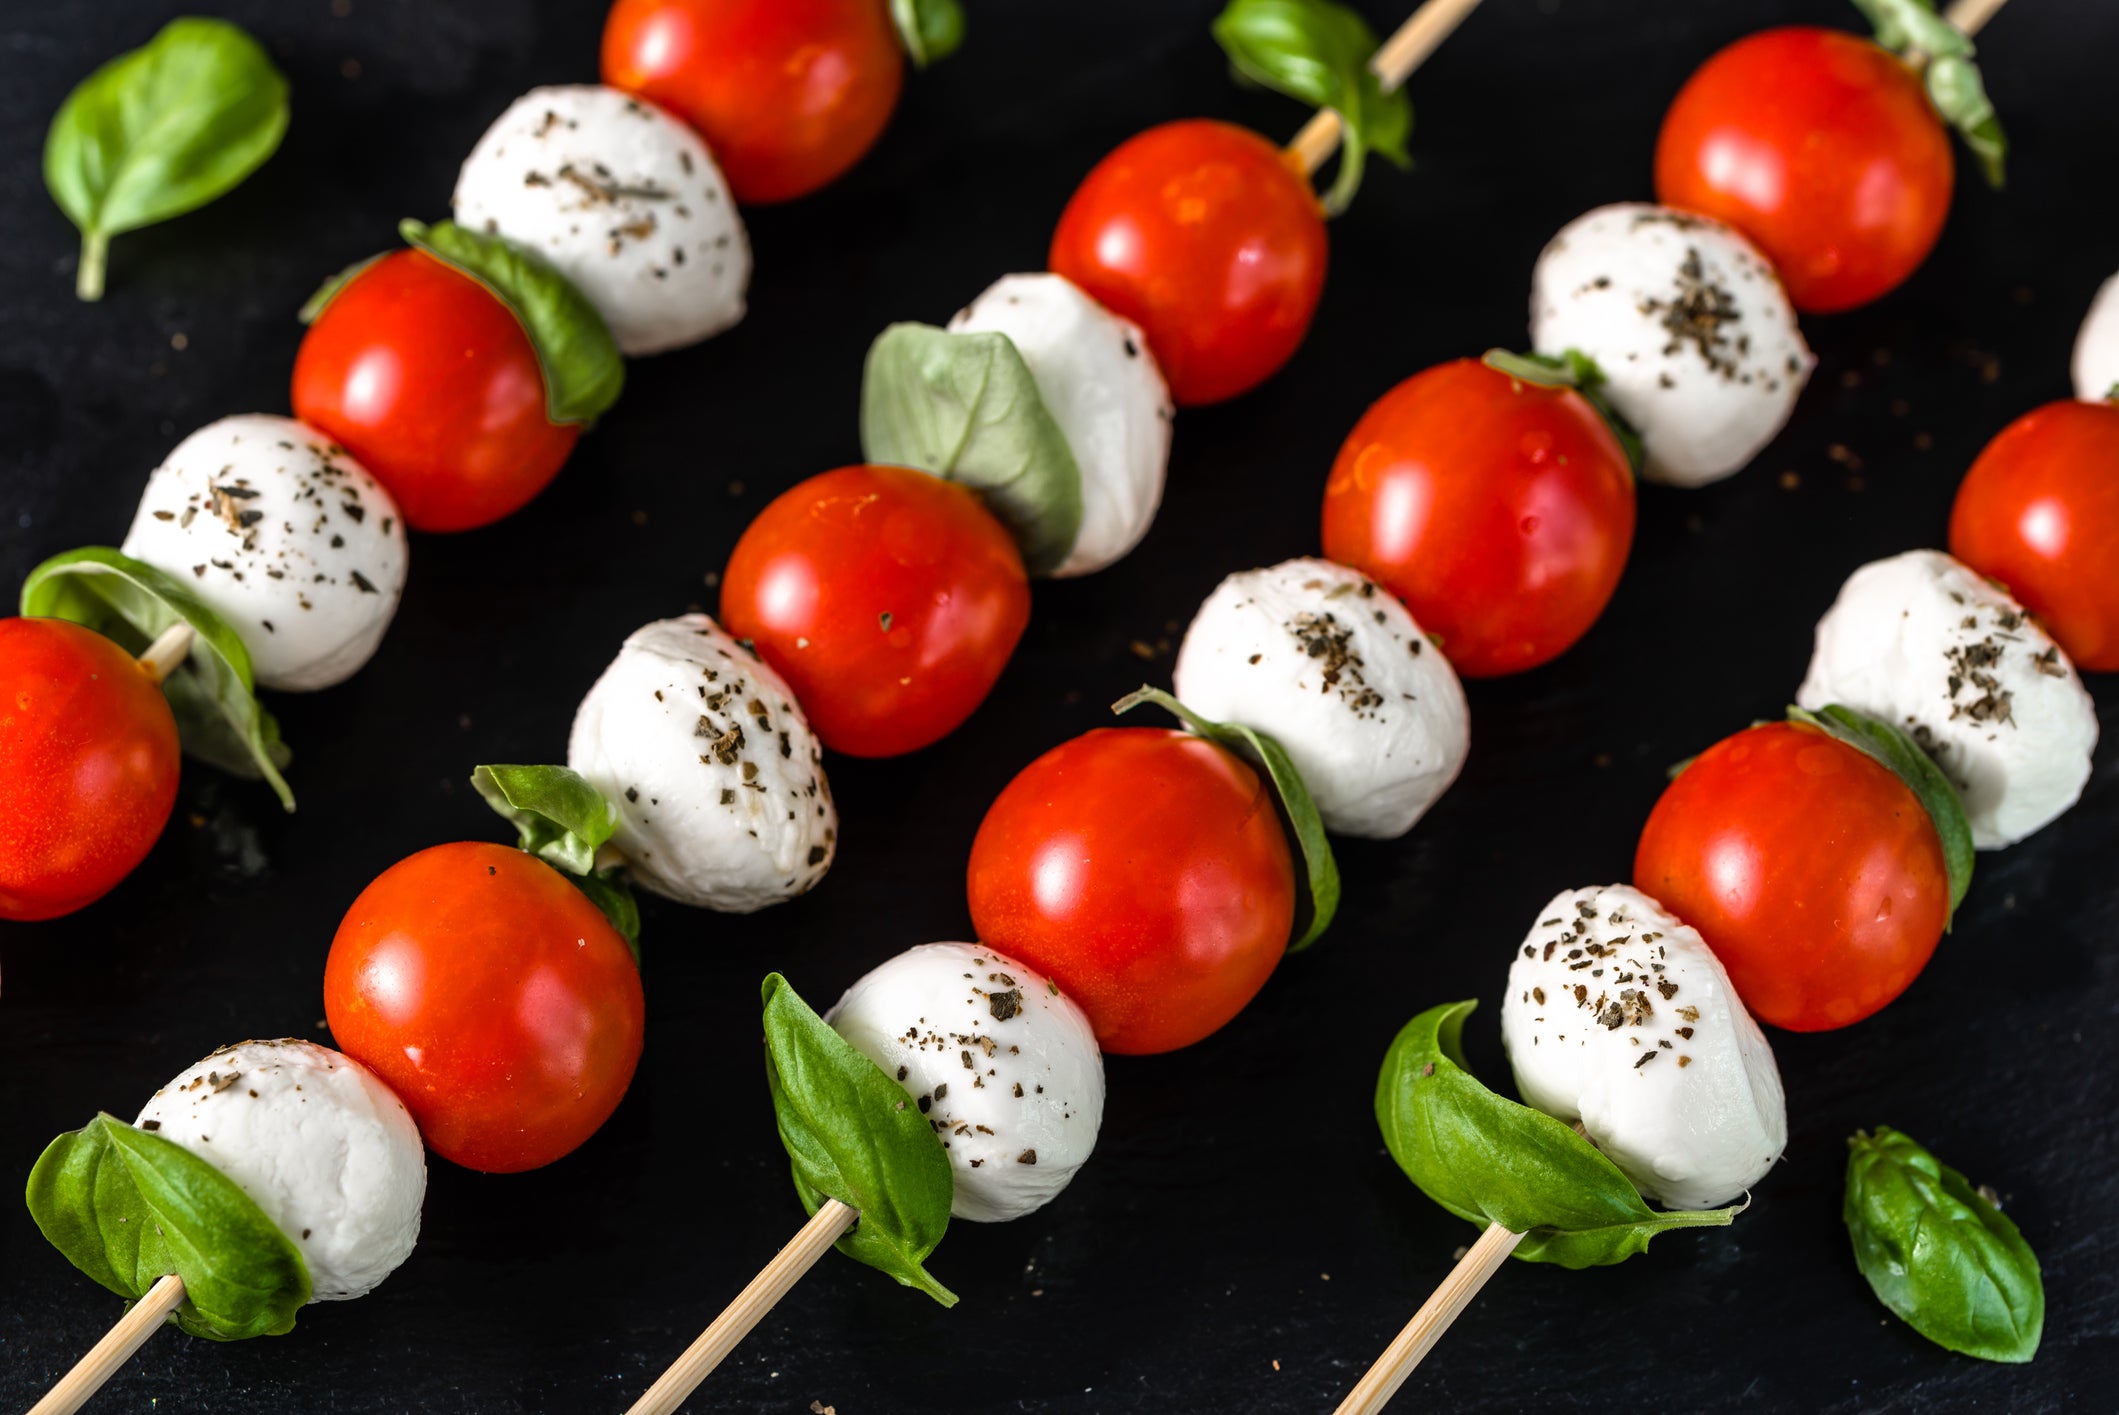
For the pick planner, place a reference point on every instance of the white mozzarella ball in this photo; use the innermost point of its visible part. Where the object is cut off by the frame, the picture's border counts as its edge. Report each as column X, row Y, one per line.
column 1331, row 666
column 1925, row 643
column 2097, row 346
column 1619, row 1016
column 719, row 785
column 624, row 200
column 283, row 535
column 1003, row 1066
column 1102, row 387
column 1690, row 326
column 318, row 1142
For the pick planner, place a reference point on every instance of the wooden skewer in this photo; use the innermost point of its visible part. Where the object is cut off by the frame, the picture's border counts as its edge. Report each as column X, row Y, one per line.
column 1374, row 1390
column 773, row 1282
column 170, row 648
column 1971, row 16
column 1406, row 49
column 114, row 1350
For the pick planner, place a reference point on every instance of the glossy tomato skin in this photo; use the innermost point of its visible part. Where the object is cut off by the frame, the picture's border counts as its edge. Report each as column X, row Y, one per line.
column 1146, row 872
column 1813, row 873
column 88, row 766
column 431, row 383
column 787, row 93
column 1823, row 149
column 1206, row 236
column 2039, row 511
column 496, row 1000
column 1501, row 512
column 888, row 599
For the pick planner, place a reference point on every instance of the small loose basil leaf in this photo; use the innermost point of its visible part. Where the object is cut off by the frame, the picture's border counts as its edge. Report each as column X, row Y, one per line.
column 128, row 1208
column 561, row 819
column 1938, row 1253
column 608, row 891
column 930, row 30
column 332, row 288
column 1297, row 811
column 1573, row 369
column 966, row 408
column 1490, row 1160
column 160, row 131
column 852, row 1135
column 1879, row 740
column 1914, row 31
column 583, row 370
column 212, row 694
column 1319, row 52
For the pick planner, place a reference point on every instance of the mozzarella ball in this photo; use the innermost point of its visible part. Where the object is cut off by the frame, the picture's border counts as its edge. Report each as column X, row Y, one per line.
column 1923, row 642
column 283, row 535
column 1102, row 387
column 318, row 1142
column 624, row 200
column 1690, row 326
column 719, row 785
column 1331, row 666
column 1005, row 1069
column 2097, row 346
column 1619, row 1016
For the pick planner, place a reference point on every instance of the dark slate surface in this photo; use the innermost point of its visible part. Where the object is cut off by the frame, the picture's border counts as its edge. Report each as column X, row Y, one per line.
column 1241, row 1242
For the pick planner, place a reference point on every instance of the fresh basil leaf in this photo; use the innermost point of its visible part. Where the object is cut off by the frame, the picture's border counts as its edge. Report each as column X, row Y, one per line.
column 966, row 408
column 1319, row 52
column 931, row 30
column 213, row 695
column 159, row 131
column 1938, row 1253
column 332, row 288
column 1943, row 53
column 1573, row 369
column 1490, row 1160
column 562, row 819
column 583, row 370
column 1879, row 740
column 1297, row 811
column 129, row 1208
column 608, row 891
column 852, row 1135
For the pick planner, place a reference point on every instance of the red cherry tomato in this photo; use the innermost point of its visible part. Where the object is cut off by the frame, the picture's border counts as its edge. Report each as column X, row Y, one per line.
column 1499, row 511
column 1207, row 237
column 2039, row 511
column 1146, row 873
column 88, row 766
column 1823, row 149
column 1813, row 873
column 431, row 383
column 888, row 599
column 787, row 93
column 496, row 1000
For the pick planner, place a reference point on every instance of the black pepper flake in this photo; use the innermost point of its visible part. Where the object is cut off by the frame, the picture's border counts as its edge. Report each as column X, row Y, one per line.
column 1004, row 1005
column 1027, row 1157
column 150, row 1125
column 360, row 582
column 1646, row 1057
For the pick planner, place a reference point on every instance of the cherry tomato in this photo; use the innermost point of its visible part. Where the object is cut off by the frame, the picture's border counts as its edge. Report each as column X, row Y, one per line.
column 888, row 599
column 88, row 766
column 1211, row 240
column 431, row 383
column 1499, row 511
column 1813, row 873
column 496, row 1000
column 1823, row 149
column 787, row 93
column 2039, row 511
column 1143, row 870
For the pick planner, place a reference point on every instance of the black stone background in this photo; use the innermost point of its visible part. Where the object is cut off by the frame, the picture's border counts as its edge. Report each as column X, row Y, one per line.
column 1241, row 1241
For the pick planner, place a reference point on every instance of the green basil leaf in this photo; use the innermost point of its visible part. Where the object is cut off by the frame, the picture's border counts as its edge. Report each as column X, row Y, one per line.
column 129, row 1208
column 608, row 891
column 1914, row 31
column 1319, row 52
column 583, row 370
column 852, row 1135
column 1297, row 811
column 562, row 819
column 966, row 408
column 212, row 695
column 1938, row 1253
column 1881, row 741
column 1573, row 369
column 931, row 30
column 1490, row 1160
column 159, row 131
column 332, row 288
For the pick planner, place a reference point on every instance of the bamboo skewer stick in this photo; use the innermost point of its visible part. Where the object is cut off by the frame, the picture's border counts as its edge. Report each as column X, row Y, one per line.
column 1971, row 16
column 1396, row 58
column 170, row 648
column 1485, row 1257
column 114, row 1350
column 773, row 1282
